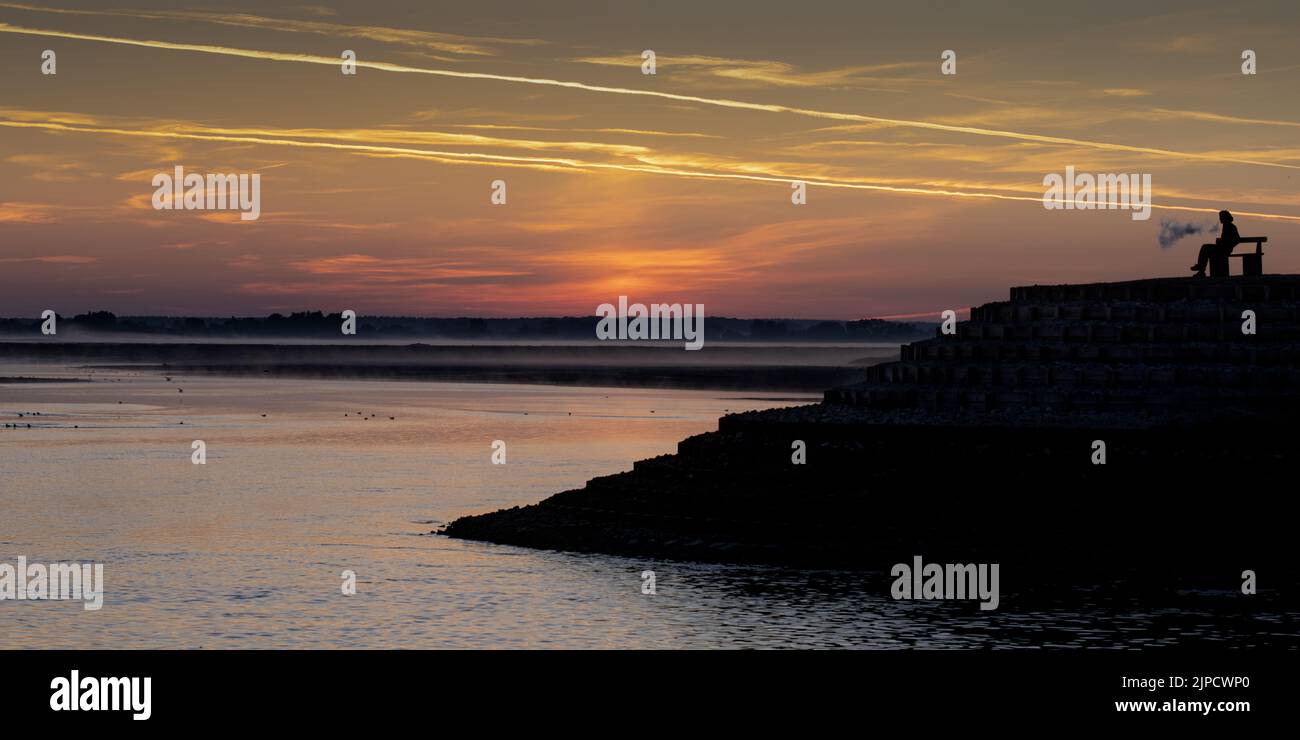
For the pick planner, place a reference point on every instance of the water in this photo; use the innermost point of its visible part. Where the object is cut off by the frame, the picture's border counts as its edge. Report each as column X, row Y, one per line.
column 247, row 551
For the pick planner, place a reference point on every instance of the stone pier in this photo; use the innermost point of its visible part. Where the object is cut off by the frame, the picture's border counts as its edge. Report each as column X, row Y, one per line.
column 981, row 446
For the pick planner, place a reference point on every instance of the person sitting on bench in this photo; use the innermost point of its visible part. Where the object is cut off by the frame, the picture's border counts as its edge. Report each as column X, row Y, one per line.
column 1223, row 245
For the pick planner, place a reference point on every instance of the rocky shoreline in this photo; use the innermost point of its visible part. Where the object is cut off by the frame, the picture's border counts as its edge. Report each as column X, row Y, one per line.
column 873, row 493
column 966, row 461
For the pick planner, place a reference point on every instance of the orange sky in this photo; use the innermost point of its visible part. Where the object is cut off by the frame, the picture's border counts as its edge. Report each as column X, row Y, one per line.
column 375, row 187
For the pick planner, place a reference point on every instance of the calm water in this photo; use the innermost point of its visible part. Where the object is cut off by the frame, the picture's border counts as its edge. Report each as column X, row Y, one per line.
column 247, row 550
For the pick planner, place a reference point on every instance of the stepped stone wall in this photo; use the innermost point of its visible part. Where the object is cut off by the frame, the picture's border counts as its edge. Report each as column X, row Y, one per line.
column 979, row 446
column 1146, row 348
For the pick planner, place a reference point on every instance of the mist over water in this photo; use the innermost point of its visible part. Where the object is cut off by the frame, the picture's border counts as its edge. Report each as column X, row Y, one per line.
column 247, row 550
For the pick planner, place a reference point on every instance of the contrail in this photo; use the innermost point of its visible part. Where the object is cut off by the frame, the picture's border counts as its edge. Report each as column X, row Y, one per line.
column 718, row 102
column 553, row 163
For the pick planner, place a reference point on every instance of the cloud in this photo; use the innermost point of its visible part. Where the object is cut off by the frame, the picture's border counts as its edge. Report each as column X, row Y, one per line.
column 1220, row 118
column 572, row 85
column 378, row 269
column 658, row 165
column 579, row 130
column 52, row 168
column 13, row 212
column 1188, row 43
column 445, row 43
column 55, row 259
column 753, row 73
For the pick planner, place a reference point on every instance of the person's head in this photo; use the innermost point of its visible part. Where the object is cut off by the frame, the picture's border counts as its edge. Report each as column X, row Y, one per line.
column 1225, row 217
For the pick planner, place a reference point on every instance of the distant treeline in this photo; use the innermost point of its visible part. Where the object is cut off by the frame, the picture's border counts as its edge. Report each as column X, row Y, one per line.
column 318, row 324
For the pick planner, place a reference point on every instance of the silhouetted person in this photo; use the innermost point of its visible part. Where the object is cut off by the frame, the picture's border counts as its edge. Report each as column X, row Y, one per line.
column 1221, row 246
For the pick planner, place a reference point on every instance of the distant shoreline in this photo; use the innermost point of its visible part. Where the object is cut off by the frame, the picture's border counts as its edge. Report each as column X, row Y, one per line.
column 23, row 379
column 105, row 326
column 806, row 369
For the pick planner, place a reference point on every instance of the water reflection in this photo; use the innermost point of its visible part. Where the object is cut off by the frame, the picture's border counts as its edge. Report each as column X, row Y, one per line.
column 248, row 550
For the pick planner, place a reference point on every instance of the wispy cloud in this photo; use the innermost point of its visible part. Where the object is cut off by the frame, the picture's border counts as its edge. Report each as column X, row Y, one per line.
column 664, row 165
column 719, row 71
column 374, row 268
column 52, row 168
column 1221, row 118
column 717, row 102
column 55, row 259
column 13, row 212
column 445, row 43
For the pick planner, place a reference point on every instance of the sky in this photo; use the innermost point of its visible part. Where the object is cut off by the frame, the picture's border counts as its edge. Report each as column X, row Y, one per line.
column 923, row 189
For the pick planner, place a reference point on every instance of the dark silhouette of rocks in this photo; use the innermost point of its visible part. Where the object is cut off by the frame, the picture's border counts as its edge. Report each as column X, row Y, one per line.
column 980, row 447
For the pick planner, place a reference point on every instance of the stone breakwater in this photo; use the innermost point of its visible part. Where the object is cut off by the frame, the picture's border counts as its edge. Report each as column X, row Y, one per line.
column 981, row 446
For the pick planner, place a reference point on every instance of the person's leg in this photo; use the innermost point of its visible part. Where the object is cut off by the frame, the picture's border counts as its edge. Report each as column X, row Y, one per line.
column 1203, row 258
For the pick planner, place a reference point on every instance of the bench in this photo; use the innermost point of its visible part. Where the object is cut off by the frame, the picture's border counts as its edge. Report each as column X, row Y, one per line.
column 1252, row 263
